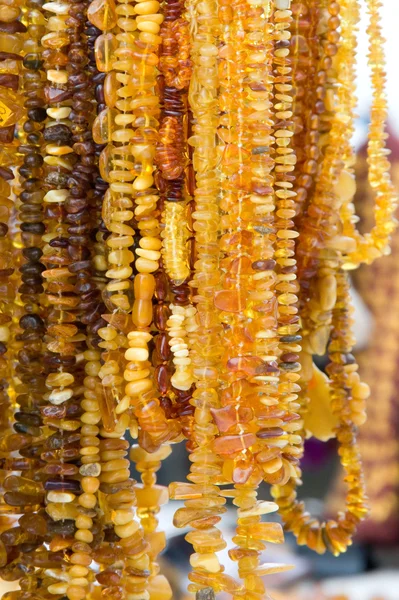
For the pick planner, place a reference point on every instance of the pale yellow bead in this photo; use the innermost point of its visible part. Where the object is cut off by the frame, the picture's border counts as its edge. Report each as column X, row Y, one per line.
column 149, row 27
column 4, row 333
column 63, row 497
column 57, row 76
column 125, row 531
column 80, row 581
column 147, row 7
column 59, row 113
column 59, row 8
column 135, row 388
column 143, row 182
column 144, row 265
column 84, row 535
column 58, row 150
column 136, row 375
column 137, row 354
column 57, row 588
column 59, row 396
column 123, row 405
column 142, row 336
column 91, row 418
column 78, row 571
column 56, row 196
column 150, row 243
column 148, row 254
column 83, row 522
column 208, row 561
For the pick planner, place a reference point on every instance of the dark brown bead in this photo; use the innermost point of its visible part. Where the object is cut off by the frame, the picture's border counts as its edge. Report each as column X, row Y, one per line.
column 162, row 347
column 8, row 80
column 13, row 27
column 161, row 315
column 67, row 485
column 6, row 174
column 162, row 377
column 38, row 114
column 57, row 133
column 55, row 95
column 9, row 56
column 7, row 134
column 263, row 434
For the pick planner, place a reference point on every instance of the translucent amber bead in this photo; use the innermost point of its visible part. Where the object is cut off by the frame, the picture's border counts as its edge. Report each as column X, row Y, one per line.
column 10, row 43
column 104, row 49
column 102, row 14
column 11, row 109
column 103, row 126
column 111, row 86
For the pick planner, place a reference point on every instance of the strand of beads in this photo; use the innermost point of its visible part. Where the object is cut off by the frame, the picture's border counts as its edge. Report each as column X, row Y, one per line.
column 78, row 218
column 175, row 66
column 317, row 305
column 162, row 355
column 376, row 242
column 114, row 212
column 143, row 109
column 175, row 236
column 286, row 284
column 202, row 503
column 150, row 497
column 321, row 226
column 64, row 342
column 334, row 535
column 252, row 379
column 95, row 400
column 262, row 277
column 308, row 530
column 30, row 368
column 29, row 340
column 92, row 316
column 147, row 407
column 309, row 107
column 26, row 493
column 11, row 42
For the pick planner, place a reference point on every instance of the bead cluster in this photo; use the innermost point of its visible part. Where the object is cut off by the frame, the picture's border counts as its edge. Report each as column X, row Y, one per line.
column 176, row 223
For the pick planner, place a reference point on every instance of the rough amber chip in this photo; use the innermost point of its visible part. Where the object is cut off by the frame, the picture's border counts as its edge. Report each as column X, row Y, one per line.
column 230, row 444
column 11, row 107
column 151, row 497
column 229, row 301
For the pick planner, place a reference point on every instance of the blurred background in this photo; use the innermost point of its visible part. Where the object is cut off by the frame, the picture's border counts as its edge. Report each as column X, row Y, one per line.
column 370, row 568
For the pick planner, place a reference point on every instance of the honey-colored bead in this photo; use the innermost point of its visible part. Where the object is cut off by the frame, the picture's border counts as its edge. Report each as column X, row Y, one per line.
column 102, row 14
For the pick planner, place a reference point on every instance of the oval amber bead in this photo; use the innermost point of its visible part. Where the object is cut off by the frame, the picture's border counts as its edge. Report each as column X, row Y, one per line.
column 104, row 50
column 142, row 313
column 144, row 285
column 103, row 126
column 105, row 164
column 111, row 86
